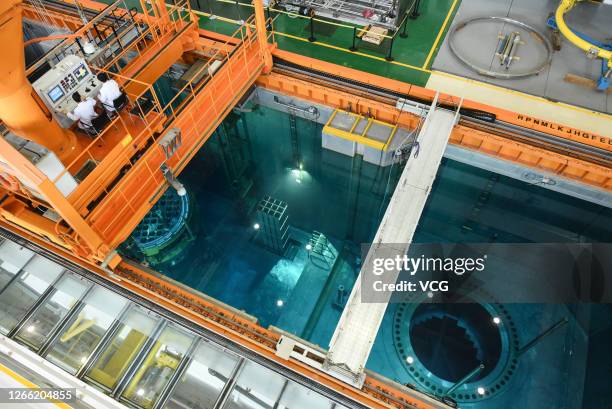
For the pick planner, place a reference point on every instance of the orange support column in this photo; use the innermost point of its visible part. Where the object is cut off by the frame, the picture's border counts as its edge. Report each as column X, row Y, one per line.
column 262, row 35
column 21, row 109
column 35, row 178
column 162, row 11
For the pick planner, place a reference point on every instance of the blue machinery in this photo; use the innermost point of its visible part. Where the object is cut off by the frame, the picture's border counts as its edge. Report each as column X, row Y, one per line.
column 594, row 48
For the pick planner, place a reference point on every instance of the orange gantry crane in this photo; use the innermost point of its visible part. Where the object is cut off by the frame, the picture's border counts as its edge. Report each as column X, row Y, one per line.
column 126, row 164
column 127, row 158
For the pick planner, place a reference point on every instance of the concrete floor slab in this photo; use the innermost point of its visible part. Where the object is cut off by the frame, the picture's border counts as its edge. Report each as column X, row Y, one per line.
column 592, row 19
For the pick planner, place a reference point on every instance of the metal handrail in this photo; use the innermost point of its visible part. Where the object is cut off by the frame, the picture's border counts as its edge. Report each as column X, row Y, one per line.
column 169, row 111
column 179, row 159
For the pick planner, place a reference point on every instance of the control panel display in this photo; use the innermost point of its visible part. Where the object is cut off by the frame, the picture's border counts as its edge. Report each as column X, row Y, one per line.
column 81, row 72
column 56, row 93
column 59, row 83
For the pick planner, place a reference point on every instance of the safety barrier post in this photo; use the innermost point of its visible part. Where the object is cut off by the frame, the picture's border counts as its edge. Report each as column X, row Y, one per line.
column 404, row 34
column 312, row 37
column 238, row 11
column 354, row 46
column 415, row 10
column 210, row 11
column 389, row 57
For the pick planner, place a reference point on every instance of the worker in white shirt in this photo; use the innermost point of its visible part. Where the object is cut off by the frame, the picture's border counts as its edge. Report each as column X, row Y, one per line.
column 84, row 111
column 109, row 91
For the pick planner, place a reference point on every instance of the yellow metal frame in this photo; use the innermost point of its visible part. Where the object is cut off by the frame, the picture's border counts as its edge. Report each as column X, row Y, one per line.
column 360, row 138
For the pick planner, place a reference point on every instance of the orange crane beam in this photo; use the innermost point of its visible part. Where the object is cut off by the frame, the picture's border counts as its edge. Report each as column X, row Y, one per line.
column 91, row 244
column 416, row 92
column 571, row 167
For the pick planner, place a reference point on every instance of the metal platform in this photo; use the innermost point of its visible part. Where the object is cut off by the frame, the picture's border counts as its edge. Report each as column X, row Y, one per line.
column 356, row 331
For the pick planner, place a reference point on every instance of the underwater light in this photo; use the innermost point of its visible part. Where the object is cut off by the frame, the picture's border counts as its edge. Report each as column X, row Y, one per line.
column 496, row 320
column 410, row 360
column 309, row 247
column 256, row 226
column 83, row 359
column 140, row 392
column 30, row 328
column 480, row 390
column 279, row 303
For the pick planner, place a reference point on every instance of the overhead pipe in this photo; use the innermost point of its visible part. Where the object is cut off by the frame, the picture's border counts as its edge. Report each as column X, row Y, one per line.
column 50, row 38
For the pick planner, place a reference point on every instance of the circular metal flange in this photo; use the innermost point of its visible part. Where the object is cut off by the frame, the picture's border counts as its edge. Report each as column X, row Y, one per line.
column 496, row 74
column 497, row 378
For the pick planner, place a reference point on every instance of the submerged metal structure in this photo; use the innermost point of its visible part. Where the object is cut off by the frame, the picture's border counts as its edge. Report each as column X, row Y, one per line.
column 167, row 229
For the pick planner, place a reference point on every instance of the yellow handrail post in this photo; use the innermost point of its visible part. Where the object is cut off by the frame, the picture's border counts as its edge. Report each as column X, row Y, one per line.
column 260, row 25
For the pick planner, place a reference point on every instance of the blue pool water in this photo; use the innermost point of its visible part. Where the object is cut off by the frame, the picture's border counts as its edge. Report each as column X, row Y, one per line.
column 251, row 157
column 340, row 200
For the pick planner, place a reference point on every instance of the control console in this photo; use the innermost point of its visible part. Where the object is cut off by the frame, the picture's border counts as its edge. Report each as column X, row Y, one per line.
column 56, row 86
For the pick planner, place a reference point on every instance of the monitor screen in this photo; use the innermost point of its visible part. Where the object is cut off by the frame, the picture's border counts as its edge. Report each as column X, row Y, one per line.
column 56, row 93
column 81, row 72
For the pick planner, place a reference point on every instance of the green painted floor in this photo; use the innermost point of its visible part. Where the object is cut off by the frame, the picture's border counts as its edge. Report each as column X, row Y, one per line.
column 333, row 39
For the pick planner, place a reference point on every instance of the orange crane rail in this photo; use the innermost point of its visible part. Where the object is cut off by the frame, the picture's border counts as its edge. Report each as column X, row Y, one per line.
column 483, row 140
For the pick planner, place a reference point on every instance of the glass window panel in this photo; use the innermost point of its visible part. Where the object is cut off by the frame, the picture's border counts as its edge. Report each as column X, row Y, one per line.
column 296, row 396
column 39, row 325
column 135, row 329
column 21, row 295
column 202, row 382
column 12, row 259
column 158, row 367
column 256, row 388
column 82, row 333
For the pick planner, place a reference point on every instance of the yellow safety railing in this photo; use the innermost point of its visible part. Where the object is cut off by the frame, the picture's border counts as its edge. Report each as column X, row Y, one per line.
column 358, row 131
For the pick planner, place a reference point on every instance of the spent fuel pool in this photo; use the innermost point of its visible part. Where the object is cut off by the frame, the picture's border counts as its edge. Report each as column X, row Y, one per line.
column 273, row 223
